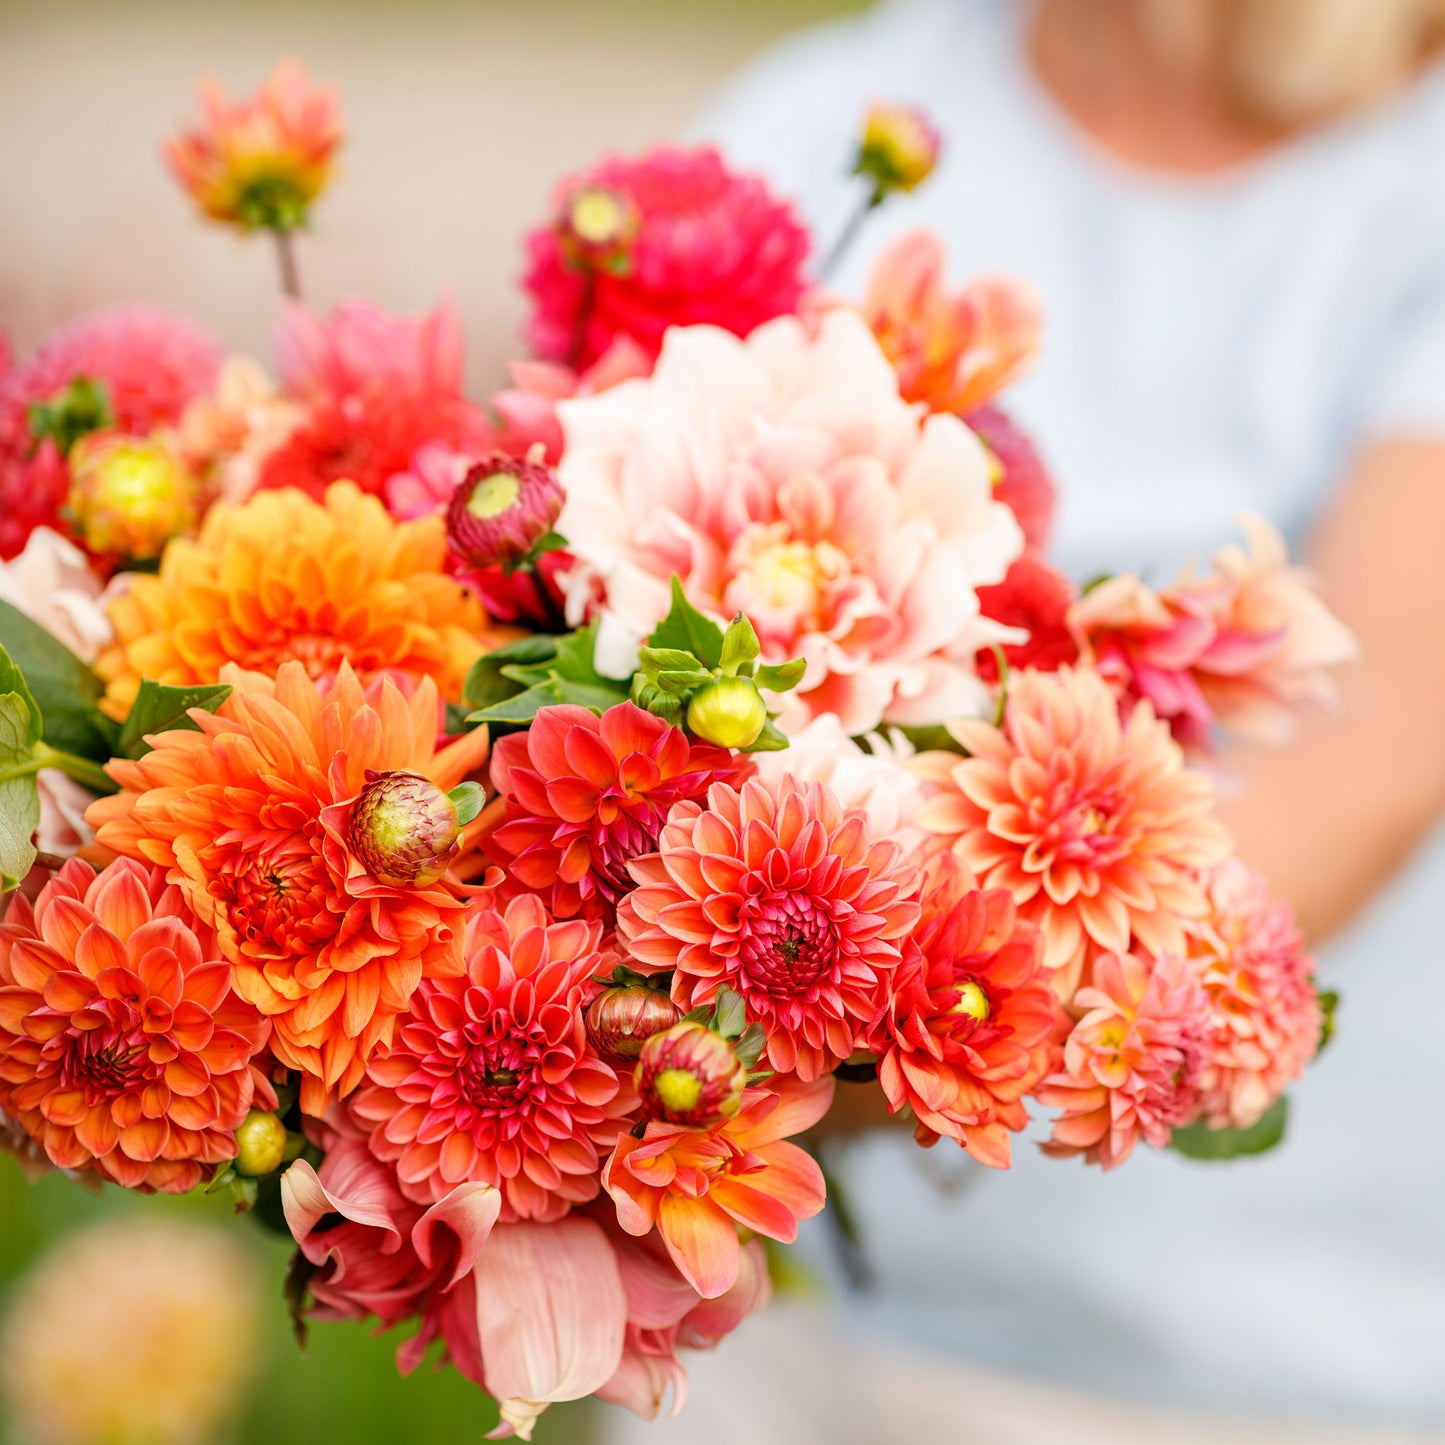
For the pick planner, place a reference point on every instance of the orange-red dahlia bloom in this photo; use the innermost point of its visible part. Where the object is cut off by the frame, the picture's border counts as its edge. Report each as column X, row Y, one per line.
column 1095, row 827
column 968, row 1033
column 491, row 1077
column 123, row 1048
column 284, row 577
column 781, row 893
column 251, row 816
column 260, row 161
column 585, row 795
column 696, row 1186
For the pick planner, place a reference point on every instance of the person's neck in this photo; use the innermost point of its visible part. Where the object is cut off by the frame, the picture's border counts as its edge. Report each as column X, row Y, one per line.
column 1120, row 84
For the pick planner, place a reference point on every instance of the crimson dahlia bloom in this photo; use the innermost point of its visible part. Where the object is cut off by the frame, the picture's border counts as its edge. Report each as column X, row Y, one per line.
column 585, row 795
column 123, row 1049
column 781, row 893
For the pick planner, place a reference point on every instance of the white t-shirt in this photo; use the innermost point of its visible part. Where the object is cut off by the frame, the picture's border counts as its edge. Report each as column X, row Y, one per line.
column 1211, row 345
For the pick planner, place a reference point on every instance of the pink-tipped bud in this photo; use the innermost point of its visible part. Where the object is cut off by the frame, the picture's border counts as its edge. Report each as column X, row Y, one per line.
column 404, row 829
column 899, row 148
column 128, row 495
column 690, row 1076
column 597, row 227
column 621, row 1020
column 502, row 510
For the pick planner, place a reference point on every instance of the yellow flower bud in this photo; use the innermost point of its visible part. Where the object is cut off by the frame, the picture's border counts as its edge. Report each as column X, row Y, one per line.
column 128, row 495
column 899, row 148
column 729, row 713
column 260, row 1144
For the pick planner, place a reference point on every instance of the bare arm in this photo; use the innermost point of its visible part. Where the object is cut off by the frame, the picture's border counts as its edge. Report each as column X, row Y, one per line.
column 1329, row 818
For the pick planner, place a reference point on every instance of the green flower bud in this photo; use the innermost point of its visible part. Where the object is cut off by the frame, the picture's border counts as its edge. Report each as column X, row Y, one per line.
column 260, row 1144
column 729, row 712
column 404, row 829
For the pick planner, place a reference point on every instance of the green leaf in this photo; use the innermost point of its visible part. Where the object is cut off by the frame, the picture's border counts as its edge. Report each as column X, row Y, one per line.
column 19, row 800
column 772, row 739
column 739, row 645
column 685, row 681
column 651, row 698
column 686, row 629
column 750, row 1044
column 580, row 694
column 83, row 407
column 467, row 799
column 66, row 691
column 729, row 1015
column 519, row 709
column 781, row 676
column 670, row 659
column 1199, row 1141
column 486, row 683
column 698, row 1015
column 160, row 708
column 575, row 660
column 1329, row 1005
column 932, row 738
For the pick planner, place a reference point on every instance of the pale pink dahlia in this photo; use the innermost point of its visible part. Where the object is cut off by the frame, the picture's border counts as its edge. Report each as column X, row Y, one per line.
column 491, row 1076
column 1094, row 826
column 785, row 477
column 1134, row 1063
column 708, row 246
column 151, row 364
column 786, row 897
column 1264, row 1013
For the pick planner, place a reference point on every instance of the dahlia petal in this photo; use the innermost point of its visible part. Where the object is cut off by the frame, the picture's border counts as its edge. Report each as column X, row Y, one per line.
column 702, row 1242
column 468, row 1212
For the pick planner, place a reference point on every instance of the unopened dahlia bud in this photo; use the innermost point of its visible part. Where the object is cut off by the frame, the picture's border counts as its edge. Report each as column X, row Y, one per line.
column 502, row 510
column 597, row 227
column 899, row 148
column 404, row 829
column 690, row 1076
column 260, row 1144
column 621, row 1020
column 128, row 495
column 729, row 713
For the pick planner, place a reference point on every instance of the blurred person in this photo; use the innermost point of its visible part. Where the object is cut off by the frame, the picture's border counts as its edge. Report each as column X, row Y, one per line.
column 1234, row 211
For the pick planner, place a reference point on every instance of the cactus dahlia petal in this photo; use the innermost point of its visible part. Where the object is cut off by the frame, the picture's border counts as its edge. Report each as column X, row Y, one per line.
column 783, row 895
column 123, row 1048
column 253, row 816
column 491, row 1077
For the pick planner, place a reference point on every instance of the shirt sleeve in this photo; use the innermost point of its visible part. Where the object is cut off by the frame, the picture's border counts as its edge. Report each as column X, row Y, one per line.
column 1403, row 393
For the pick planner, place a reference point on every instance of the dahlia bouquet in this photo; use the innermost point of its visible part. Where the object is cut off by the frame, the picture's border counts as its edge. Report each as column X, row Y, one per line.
column 484, row 837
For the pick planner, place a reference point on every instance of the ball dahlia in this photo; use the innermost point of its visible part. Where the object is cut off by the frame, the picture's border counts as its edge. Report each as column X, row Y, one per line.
column 252, row 817
column 785, row 896
column 123, row 1048
column 1095, row 827
column 785, row 477
column 710, row 247
column 587, row 794
column 491, row 1076
column 282, row 577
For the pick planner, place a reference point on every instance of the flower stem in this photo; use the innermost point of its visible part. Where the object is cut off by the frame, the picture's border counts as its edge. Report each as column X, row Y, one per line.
column 81, row 770
column 578, row 348
column 286, row 255
column 849, row 233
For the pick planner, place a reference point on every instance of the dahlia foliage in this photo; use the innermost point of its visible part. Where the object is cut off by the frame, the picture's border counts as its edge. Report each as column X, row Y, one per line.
column 484, row 835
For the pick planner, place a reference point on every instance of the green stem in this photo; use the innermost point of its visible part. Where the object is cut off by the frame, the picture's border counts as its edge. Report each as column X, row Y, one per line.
column 849, row 234
column 81, row 770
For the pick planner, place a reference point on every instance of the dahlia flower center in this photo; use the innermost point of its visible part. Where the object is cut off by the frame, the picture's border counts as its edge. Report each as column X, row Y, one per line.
column 789, row 945
column 493, row 495
column 496, row 1076
column 1080, row 827
column 678, row 1089
column 775, row 574
column 103, row 1063
column 599, row 216
column 274, row 890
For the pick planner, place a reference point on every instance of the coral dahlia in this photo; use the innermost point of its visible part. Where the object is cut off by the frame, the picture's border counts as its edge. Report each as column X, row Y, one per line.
column 785, row 896
column 282, row 577
column 491, row 1076
column 252, row 817
column 1036, row 598
column 1095, row 827
column 123, row 1048
column 587, row 794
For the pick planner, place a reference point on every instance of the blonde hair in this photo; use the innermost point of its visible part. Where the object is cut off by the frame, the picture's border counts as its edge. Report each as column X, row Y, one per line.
column 1295, row 60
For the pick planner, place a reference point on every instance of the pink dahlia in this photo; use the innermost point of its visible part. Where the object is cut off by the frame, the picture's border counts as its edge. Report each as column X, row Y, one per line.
column 784, row 477
column 1133, row 1063
column 785, row 896
column 151, row 364
column 491, row 1076
column 1264, row 1013
column 709, row 247
column 1036, row 599
column 1022, row 483
column 586, row 794
column 1096, row 828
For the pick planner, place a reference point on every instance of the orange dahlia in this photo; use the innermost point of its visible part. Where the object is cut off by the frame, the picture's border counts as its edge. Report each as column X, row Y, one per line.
column 491, row 1077
column 254, row 816
column 1095, row 827
column 123, row 1049
column 781, row 893
column 283, row 576
column 968, row 1034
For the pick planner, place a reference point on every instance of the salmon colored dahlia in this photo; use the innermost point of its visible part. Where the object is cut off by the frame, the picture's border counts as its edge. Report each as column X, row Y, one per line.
column 784, row 895
column 968, row 1032
column 123, row 1048
column 587, row 794
column 698, row 1185
column 1265, row 1015
column 281, row 578
column 1095, row 827
column 491, row 1076
column 1134, row 1062
column 252, row 816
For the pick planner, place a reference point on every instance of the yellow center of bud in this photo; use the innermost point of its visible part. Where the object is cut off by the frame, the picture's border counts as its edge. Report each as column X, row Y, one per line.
column 128, row 497
column 597, row 216
column 678, row 1090
column 493, row 495
column 972, row 1002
